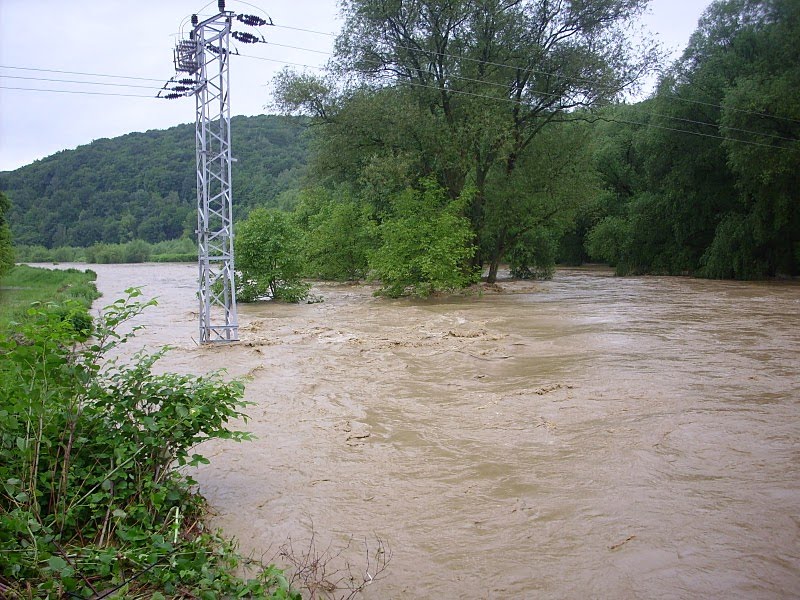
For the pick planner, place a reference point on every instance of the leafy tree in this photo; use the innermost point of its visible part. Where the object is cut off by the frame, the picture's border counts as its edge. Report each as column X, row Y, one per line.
column 460, row 91
column 268, row 248
column 6, row 246
column 711, row 187
column 425, row 245
column 338, row 235
column 91, row 496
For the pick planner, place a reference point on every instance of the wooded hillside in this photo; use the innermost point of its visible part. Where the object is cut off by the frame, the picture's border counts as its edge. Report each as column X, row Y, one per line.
column 142, row 185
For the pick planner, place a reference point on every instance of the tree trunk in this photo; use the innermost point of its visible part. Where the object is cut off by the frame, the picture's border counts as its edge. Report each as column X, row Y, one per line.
column 493, row 266
column 494, row 263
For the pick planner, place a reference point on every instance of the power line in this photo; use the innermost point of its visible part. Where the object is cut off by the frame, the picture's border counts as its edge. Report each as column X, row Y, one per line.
column 770, row 135
column 78, row 73
column 697, row 133
column 130, row 85
column 513, row 101
column 408, row 83
column 739, row 110
column 551, row 74
column 8, row 87
column 467, row 58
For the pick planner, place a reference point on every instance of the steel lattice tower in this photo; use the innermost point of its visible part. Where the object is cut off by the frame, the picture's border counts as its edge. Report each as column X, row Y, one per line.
column 207, row 56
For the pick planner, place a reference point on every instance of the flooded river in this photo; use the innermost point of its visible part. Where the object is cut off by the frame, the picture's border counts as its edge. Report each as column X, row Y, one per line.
column 585, row 437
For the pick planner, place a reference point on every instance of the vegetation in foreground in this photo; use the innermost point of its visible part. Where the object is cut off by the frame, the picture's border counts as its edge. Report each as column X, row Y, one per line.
column 91, row 501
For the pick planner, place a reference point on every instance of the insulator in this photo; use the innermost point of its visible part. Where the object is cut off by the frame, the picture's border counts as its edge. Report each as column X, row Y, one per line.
column 194, row 20
column 244, row 37
column 213, row 48
column 172, row 96
column 186, row 81
column 181, row 88
column 221, row 5
column 251, row 20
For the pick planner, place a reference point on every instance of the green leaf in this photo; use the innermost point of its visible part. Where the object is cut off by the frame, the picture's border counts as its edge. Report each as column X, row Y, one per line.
column 56, row 563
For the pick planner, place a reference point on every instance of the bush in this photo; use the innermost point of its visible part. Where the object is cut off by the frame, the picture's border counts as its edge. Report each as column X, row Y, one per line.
column 90, row 501
column 338, row 236
column 607, row 241
column 268, row 262
column 534, row 256
column 425, row 246
column 734, row 253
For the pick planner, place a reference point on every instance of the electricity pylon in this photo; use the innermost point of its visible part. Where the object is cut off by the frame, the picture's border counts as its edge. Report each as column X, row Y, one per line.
column 205, row 57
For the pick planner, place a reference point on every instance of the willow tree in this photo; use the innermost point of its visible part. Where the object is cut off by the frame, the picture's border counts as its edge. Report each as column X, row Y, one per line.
column 459, row 90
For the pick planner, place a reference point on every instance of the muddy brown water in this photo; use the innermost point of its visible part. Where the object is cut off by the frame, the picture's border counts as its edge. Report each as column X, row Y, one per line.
column 585, row 437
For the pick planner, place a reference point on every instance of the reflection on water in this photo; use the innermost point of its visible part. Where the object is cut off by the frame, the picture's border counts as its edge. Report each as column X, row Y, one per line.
column 589, row 436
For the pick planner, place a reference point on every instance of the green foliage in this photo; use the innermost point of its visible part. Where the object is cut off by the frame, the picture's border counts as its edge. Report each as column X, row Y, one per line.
column 724, row 202
column 268, row 248
column 424, row 99
column 734, row 253
column 608, row 241
column 24, row 285
column 90, row 500
column 143, row 185
column 6, row 246
column 338, row 235
column 528, row 210
column 425, row 245
column 534, row 255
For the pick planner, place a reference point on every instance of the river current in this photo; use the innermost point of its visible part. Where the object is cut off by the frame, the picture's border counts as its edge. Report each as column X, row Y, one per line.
column 585, row 437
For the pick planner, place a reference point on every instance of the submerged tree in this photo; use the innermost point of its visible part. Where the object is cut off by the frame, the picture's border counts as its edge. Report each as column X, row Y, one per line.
column 460, row 91
column 268, row 263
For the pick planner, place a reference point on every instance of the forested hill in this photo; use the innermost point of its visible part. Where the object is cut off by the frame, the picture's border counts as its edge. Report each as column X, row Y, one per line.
column 142, row 185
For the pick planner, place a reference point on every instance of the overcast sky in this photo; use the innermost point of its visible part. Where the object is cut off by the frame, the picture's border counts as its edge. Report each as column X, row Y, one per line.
column 46, row 40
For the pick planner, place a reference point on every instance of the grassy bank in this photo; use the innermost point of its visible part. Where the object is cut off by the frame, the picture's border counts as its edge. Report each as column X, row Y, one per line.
column 24, row 285
column 93, row 500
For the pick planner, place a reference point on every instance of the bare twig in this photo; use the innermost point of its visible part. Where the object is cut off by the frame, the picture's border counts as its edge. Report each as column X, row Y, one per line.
column 326, row 575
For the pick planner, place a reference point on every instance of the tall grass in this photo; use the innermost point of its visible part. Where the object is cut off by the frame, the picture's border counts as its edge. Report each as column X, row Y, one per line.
column 24, row 285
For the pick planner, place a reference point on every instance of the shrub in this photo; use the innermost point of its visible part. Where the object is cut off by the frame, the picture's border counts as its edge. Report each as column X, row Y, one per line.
column 534, row 255
column 268, row 247
column 425, row 246
column 89, row 499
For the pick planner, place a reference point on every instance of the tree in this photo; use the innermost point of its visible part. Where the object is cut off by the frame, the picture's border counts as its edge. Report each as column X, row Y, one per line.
column 460, row 90
column 267, row 247
column 338, row 235
column 425, row 246
column 6, row 246
column 711, row 187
